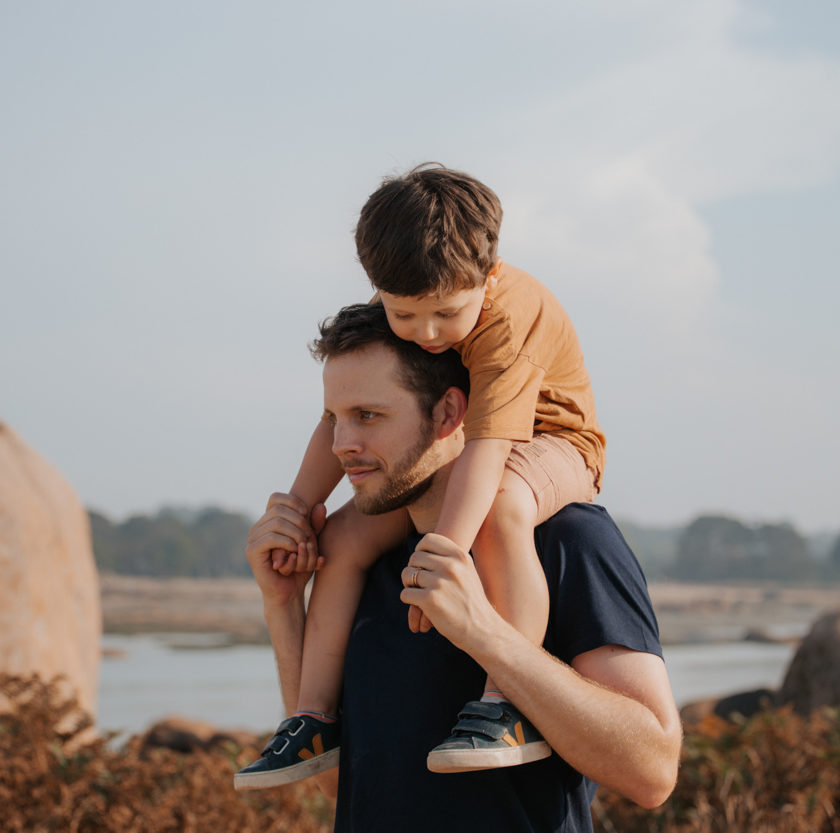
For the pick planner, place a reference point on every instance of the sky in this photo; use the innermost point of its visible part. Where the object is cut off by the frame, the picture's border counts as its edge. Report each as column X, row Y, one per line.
column 180, row 183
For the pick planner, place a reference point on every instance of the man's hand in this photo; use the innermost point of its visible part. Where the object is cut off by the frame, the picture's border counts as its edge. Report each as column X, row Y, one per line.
column 442, row 581
column 282, row 549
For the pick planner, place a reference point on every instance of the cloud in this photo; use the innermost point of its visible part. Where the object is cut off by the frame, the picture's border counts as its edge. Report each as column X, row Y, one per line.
column 625, row 161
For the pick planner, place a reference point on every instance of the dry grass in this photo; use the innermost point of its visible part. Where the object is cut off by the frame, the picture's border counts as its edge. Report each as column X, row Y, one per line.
column 774, row 773
column 53, row 780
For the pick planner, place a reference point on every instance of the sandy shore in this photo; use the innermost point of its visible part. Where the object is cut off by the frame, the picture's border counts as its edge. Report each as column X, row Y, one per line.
column 686, row 612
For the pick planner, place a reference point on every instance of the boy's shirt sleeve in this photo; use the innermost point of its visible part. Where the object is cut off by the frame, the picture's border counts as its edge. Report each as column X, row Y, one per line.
column 504, row 383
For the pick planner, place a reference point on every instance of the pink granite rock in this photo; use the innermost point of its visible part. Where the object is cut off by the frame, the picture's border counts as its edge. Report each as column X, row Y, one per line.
column 50, row 617
column 813, row 677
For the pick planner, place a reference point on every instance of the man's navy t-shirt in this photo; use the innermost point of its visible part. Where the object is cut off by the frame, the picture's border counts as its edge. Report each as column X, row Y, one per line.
column 402, row 693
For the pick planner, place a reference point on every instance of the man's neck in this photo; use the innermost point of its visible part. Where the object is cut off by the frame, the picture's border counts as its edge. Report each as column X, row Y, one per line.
column 425, row 511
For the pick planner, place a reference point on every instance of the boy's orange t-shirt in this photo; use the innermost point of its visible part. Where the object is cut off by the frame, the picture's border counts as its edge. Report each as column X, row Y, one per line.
column 527, row 372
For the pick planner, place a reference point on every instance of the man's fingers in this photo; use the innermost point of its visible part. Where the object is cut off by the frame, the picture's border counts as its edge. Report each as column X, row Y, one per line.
column 425, row 624
column 292, row 514
column 415, row 616
column 287, row 501
column 258, row 548
column 268, row 529
column 438, row 545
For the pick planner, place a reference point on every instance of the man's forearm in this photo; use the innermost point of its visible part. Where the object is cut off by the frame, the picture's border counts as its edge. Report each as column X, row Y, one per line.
column 630, row 745
column 285, row 629
column 612, row 717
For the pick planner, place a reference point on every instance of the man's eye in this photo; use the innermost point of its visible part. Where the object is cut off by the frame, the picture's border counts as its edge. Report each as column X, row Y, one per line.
column 366, row 415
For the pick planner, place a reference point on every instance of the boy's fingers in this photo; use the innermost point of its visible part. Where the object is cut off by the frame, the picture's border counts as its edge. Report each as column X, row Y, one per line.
column 307, row 558
column 318, row 517
column 287, row 566
column 414, row 614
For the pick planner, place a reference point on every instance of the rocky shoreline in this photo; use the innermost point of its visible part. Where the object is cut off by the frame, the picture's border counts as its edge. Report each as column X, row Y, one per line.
column 232, row 608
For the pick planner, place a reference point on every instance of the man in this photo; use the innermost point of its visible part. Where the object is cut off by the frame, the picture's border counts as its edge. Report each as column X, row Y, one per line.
column 598, row 692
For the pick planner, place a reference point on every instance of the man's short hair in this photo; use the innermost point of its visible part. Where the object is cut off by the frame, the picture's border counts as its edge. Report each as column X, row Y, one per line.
column 426, row 375
column 432, row 230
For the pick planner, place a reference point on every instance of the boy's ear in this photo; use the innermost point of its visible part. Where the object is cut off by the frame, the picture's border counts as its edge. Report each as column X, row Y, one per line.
column 449, row 412
column 493, row 275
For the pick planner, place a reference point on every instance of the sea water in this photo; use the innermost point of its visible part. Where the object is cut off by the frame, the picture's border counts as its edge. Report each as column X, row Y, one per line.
column 145, row 678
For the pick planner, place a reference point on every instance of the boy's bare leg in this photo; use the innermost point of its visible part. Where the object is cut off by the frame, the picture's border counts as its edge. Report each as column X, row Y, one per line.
column 350, row 543
column 507, row 561
column 494, row 733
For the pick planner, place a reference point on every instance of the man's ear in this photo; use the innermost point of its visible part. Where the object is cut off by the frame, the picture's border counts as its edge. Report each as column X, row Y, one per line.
column 449, row 412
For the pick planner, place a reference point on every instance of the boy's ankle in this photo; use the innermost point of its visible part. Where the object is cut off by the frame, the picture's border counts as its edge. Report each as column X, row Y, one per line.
column 492, row 695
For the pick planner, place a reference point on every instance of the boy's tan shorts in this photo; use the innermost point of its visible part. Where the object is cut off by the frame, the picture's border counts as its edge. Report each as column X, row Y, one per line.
column 555, row 470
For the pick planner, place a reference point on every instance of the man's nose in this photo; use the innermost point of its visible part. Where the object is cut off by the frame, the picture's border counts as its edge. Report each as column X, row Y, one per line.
column 345, row 440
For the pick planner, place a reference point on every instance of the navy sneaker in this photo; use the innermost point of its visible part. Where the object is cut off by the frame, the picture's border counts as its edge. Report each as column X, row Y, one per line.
column 301, row 746
column 486, row 736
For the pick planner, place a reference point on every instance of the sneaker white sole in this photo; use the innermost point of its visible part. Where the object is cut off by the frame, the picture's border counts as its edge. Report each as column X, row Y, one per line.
column 468, row 760
column 287, row 775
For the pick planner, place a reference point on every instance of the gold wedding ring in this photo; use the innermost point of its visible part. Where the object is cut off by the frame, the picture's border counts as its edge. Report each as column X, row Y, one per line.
column 414, row 575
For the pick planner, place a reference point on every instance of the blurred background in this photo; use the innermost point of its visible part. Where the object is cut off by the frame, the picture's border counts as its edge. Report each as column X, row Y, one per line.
column 181, row 182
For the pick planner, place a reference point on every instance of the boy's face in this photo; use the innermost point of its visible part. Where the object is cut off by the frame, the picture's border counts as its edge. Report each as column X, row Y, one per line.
column 435, row 322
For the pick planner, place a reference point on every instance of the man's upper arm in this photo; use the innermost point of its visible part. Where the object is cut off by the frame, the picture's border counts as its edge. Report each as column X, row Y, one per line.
column 635, row 674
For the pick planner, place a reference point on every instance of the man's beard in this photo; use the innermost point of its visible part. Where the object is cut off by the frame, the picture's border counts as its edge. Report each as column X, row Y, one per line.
column 409, row 479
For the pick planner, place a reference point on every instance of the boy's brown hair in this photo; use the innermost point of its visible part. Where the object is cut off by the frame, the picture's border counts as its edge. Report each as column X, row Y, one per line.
column 432, row 230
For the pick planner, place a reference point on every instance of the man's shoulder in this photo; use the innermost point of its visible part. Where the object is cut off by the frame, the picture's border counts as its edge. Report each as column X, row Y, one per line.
column 580, row 522
column 581, row 546
column 594, row 578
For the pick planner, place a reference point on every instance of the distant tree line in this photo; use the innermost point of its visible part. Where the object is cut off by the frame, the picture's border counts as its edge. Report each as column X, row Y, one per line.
column 714, row 547
column 720, row 548
column 211, row 542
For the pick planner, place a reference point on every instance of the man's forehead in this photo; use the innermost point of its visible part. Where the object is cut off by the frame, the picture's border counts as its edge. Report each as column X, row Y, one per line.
column 366, row 374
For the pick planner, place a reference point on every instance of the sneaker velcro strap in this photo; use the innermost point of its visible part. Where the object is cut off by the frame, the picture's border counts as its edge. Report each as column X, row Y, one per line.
column 477, row 726
column 291, row 726
column 480, row 708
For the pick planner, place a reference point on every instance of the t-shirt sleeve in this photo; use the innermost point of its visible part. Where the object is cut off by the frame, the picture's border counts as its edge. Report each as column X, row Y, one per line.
column 502, row 403
column 504, row 384
column 598, row 591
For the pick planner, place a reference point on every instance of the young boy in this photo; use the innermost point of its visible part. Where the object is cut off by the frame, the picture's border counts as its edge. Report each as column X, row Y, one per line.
column 427, row 241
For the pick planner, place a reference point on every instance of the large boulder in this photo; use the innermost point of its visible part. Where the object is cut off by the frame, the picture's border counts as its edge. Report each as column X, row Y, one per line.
column 50, row 617
column 813, row 677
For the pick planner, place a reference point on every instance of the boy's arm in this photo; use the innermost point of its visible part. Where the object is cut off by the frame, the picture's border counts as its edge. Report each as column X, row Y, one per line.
column 319, row 473
column 320, row 470
column 471, row 490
